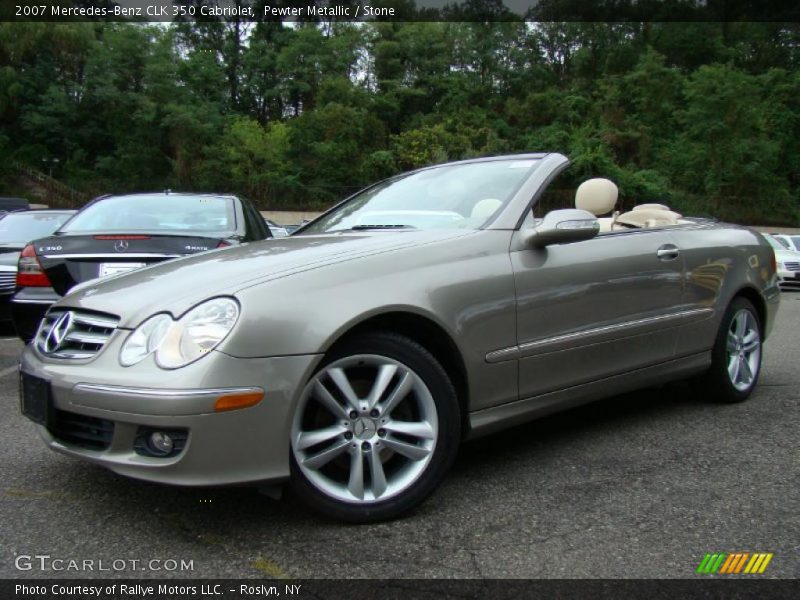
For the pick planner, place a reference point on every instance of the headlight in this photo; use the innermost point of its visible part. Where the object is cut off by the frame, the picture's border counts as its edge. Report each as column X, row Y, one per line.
column 780, row 266
column 145, row 340
column 178, row 343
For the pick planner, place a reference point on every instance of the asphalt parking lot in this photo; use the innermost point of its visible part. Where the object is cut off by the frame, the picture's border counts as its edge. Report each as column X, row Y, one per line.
column 641, row 485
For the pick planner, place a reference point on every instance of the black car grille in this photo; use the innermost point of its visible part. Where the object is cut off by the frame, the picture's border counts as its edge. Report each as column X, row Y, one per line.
column 792, row 266
column 74, row 334
column 8, row 280
column 80, row 430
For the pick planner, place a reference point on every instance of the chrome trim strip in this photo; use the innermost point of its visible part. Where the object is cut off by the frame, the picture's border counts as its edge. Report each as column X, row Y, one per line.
column 84, row 337
column 34, row 301
column 588, row 336
column 85, row 319
column 116, row 256
column 113, row 390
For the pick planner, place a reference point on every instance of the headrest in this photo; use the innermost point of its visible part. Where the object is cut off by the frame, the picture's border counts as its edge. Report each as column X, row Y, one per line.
column 485, row 208
column 598, row 196
column 648, row 218
column 651, row 206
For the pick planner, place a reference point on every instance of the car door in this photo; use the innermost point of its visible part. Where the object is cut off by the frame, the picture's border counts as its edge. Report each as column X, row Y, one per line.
column 595, row 308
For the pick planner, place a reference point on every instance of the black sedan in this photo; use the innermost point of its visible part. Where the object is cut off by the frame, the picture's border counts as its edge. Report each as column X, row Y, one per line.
column 114, row 234
column 16, row 230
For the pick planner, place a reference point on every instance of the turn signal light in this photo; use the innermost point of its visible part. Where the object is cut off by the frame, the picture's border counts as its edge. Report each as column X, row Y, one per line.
column 236, row 401
column 29, row 270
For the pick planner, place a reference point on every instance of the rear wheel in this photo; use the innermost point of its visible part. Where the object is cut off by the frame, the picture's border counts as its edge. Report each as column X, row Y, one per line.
column 375, row 429
column 736, row 357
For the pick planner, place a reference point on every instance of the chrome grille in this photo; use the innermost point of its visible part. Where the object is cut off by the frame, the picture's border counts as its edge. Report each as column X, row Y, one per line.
column 74, row 334
column 792, row 266
column 8, row 280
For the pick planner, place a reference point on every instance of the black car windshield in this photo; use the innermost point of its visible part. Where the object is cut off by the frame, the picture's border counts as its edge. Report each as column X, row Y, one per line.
column 156, row 214
column 21, row 228
column 462, row 195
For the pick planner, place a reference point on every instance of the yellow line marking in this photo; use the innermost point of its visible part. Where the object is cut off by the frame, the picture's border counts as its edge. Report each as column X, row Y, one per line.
column 752, row 563
column 766, row 562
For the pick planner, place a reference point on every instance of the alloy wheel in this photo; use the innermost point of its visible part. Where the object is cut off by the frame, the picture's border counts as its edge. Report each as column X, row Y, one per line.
column 743, row 350
column 365, row 429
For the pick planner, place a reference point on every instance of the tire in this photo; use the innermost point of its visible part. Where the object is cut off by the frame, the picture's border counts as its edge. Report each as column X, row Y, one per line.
column 736, row 356
column 375, row 430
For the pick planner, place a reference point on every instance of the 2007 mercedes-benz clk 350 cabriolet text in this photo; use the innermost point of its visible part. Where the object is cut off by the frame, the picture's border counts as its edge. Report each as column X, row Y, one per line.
column 352, row 358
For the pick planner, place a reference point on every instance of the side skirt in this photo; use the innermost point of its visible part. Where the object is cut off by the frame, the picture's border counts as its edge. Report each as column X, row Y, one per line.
column 489, row 420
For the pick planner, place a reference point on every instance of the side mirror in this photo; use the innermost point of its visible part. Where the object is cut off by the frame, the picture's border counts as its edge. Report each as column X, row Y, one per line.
column 562, row 227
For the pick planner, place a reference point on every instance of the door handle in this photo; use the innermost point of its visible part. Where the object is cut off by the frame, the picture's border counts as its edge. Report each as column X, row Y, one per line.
column 668, row 252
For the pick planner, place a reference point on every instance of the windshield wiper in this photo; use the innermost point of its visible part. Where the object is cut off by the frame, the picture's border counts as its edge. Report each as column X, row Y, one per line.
column 386, row 226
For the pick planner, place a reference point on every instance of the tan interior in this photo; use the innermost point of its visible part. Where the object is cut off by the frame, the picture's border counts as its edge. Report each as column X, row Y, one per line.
column 485, row 208
column 599, row 197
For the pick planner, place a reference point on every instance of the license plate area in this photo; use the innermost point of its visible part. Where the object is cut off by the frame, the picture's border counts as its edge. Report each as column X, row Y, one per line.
column 115, row 268
column 35, row 399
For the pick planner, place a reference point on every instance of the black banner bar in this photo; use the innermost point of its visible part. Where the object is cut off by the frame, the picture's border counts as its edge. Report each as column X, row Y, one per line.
column 400, row 10
column 411, row 589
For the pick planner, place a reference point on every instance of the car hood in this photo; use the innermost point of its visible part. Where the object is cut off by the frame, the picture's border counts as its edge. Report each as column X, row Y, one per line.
column 177, row 285
column 9, row 255
column 786, row 255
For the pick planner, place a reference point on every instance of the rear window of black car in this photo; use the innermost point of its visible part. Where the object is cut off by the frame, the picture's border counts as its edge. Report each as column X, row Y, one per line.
column 157, row 213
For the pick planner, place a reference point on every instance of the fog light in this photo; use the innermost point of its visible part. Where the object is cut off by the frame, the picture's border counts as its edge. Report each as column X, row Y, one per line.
column 160, row 443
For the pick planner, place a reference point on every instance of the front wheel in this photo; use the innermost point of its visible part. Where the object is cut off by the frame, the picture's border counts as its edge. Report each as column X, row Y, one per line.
column 375, row 429
column 736, row 357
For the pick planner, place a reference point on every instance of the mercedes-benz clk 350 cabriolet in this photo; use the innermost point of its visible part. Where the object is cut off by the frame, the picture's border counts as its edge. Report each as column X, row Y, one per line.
column 352, row 358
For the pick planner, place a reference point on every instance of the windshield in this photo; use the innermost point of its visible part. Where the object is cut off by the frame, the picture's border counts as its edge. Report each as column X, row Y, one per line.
column 19, row 229
column 451, row 196
column 156, row 214
column 774, row 243
column 796, row 241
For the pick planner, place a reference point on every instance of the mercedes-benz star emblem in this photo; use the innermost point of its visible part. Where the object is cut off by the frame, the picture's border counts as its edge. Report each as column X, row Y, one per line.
column 364, row 428
column 58, row 333
column 120, row 245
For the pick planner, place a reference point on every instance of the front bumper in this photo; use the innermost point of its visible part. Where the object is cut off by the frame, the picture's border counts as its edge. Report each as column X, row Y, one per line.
column 249, row 445
column 788, row 280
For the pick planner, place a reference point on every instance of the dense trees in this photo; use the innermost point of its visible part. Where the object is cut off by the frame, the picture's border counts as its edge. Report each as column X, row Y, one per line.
column 705, row 116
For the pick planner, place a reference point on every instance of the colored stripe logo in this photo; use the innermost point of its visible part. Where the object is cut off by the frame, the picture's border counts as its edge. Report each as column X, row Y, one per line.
column 735, row 563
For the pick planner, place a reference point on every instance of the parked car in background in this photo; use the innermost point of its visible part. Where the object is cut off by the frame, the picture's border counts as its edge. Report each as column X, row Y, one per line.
column 16, row 230
column 791, row 242
column 8, row 205
column 278, row 231
column 788, row 264
column 115, row 234
column 352, row 358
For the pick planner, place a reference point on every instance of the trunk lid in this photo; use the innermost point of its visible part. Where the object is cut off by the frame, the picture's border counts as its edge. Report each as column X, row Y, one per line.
column 71, row 259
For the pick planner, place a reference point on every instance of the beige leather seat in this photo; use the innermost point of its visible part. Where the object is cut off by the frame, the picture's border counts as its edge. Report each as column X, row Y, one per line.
column 649, row 217
column 599, row 197
column 651, row 206
column 485, row 208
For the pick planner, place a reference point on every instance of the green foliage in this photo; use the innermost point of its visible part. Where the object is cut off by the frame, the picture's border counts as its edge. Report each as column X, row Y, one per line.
column 704, row 116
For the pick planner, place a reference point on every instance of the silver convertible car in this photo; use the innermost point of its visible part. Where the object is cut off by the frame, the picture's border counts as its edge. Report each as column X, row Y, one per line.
column 352, row 358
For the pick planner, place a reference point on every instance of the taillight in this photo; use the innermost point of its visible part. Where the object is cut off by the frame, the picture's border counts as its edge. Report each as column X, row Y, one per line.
column 29, row 270
column 774, row 262
column 223, row 244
